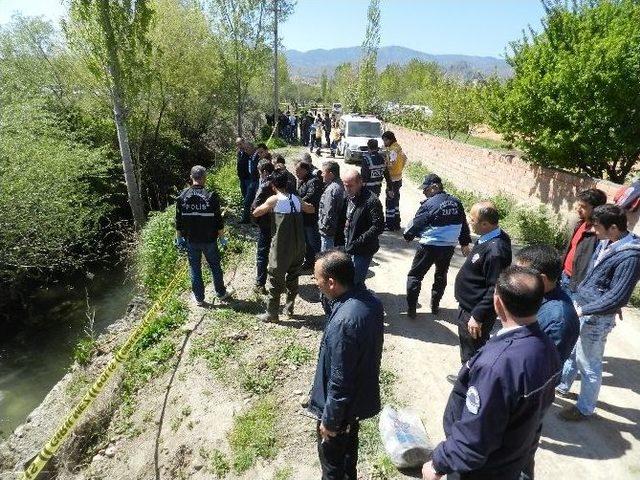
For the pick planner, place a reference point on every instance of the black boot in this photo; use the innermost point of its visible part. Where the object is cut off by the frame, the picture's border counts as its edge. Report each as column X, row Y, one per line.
column 411, row 312
column 435, row 306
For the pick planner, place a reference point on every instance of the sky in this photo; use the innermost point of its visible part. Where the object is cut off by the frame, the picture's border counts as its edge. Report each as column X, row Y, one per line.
column 470, row 27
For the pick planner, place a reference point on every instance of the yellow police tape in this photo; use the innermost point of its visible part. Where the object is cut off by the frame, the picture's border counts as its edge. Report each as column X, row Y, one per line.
column 54, row 443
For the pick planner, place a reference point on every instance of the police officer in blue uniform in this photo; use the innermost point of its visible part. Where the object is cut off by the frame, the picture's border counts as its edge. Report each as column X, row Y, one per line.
column 493, row 416
column 373, row 168
column 440, row 224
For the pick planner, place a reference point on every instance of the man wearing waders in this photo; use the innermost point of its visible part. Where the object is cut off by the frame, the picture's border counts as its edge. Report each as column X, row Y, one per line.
column 373, row 168
column 287, row 246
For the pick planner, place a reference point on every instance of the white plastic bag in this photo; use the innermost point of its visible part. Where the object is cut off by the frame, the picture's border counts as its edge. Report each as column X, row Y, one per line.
column 404, row 437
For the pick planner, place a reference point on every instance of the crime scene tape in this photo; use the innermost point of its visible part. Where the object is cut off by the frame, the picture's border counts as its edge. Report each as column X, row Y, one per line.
column 52, row 446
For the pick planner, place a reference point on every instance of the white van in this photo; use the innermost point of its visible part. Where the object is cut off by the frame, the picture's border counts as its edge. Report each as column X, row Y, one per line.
column 356, row 132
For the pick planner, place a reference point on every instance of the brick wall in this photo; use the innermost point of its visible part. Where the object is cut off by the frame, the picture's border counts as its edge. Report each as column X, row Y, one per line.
column 490, row 171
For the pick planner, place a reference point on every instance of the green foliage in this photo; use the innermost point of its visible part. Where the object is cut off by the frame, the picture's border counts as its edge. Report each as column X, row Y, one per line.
column 56, row 196
column 284, row 473
column 368, row 101
column 538, row 226
column 574, row 101
column 84, row 350
column 259, row 378
column 218, row 464
column 275, row 142
column 156, row 256
column 253, row 435
column 297, row 354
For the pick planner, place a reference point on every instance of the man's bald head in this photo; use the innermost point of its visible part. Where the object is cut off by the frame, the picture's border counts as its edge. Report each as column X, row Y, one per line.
column 484, row 217
column 352, row 181
column 519, row 291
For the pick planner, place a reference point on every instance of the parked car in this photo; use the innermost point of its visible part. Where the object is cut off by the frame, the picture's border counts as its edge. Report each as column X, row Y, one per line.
column 356, row 132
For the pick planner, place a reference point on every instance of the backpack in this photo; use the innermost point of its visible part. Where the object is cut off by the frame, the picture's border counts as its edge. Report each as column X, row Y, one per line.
column 628, row 197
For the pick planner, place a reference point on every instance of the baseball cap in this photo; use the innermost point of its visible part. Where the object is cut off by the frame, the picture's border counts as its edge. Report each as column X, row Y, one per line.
column 431, row 179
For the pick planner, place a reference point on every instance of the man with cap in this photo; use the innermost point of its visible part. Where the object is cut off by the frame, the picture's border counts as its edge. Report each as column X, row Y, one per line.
column 199, row 225
column 493, row 416
column 440, row 224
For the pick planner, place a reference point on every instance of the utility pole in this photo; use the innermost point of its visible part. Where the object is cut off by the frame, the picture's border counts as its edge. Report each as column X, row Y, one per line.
column 275, row 65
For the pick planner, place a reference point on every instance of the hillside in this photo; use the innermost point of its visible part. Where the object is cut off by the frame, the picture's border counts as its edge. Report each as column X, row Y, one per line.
column 310, row 64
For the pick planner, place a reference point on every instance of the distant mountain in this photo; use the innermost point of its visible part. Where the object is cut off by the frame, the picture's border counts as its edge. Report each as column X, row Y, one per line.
column 311, row 64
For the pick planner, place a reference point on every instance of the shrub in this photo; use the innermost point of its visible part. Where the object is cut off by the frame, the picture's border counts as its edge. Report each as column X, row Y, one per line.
column 536, row 226
column 275, row 142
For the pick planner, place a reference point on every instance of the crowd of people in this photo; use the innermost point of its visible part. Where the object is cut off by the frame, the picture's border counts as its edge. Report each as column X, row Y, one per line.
column 554, row 310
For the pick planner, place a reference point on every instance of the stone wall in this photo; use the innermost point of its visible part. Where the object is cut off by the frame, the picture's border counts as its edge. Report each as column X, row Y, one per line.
column 491, row 171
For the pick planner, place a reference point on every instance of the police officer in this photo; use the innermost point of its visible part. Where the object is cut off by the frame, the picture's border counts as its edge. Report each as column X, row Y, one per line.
column 477, row 277
column 199, row 224
column 440, row 223
column 373, row 168
column 494, row 412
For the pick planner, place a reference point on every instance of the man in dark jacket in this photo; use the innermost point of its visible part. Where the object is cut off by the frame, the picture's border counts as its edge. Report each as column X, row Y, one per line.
column 363, row 225
column 331, row 205
column 557, row 316
column 612, row 275
column 255, row 154
column 292, row 182
column 440, row 224
column 493, row 416
column 199, row 224
column 327, row 128
column 580, row 248
column 265, row 190
column 476, row 279
column 310, row 191
column 346, row 387
column 242, row 166
column 373, row 168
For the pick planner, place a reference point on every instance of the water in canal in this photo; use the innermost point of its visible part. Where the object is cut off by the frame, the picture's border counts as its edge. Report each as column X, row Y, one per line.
column 35, row 360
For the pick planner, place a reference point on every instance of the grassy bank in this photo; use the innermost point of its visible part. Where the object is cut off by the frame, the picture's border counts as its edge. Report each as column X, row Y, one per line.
column 527, row 225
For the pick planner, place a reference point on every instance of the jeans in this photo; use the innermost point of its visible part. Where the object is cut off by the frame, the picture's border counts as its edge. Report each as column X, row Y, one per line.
column 252, row 189
column 427, row 255
column 262, row 255
column 361, row 266
column 312, row 239
column 195, row 250
column 469, row 345
column 244, row 186
column 326, row 242
column 339, row 455
column 586, row 359
column 392, row 207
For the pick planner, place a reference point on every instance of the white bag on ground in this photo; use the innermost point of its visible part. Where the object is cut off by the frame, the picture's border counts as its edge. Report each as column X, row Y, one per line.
column 404, row 437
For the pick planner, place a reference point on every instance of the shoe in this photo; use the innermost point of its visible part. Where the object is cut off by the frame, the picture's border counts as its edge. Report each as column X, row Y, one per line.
column 260, row 290
column 452, row 379
column 435, row 308
column 561, row 393
column 199, row 303
column 226, row 297
column 288, row 308
column 267, row 317
column 572, row 414
column 411, row 313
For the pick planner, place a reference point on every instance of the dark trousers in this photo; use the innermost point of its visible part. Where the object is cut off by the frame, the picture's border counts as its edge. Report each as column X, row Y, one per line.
column 339, row 455
column 312, row 241
column 392, row 206
column 250, row 195
column 425, row 256
column 244, row 186
column 469, row 345
column 262, row 255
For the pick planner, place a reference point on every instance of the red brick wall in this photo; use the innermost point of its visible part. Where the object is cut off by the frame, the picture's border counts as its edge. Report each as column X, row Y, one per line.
column 491, row 171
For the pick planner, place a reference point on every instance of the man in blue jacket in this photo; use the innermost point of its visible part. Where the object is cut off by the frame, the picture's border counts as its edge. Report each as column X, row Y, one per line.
column 346, row 387
column 493, row 416
column 605, row 289
column 440, row 224
column 557, row 315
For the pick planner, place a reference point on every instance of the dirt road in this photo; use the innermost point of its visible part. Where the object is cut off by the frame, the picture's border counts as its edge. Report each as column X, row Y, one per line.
column 423, row 351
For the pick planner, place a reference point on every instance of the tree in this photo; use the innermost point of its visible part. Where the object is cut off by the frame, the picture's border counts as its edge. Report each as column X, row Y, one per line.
column 116, row 33
column 323, row 86
column 574, row 101
column 345, row 81
column 455, row 106
column 367, row 73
